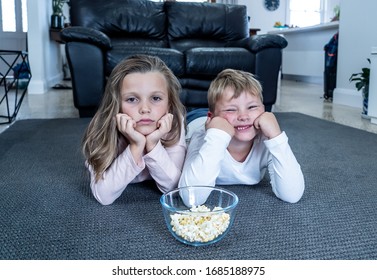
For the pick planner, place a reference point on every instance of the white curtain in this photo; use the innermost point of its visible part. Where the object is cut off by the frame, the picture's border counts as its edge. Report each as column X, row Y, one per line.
column 227, row 1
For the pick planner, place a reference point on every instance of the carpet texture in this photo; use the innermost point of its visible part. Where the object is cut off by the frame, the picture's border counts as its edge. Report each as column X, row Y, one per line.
column 48, row 212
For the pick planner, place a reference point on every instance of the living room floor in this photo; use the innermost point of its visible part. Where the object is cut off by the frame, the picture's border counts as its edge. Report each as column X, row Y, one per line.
column 306, row 98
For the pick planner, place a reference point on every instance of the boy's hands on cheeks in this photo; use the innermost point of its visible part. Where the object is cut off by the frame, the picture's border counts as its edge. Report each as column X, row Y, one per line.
column 268, row 125
column 126, row 125
column 163, row 127
column 220, row 123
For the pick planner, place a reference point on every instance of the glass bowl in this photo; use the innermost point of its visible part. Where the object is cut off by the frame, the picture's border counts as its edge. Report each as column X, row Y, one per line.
column 199, row 215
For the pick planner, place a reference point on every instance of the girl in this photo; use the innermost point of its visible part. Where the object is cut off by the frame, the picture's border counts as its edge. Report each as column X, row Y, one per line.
column 138, row 131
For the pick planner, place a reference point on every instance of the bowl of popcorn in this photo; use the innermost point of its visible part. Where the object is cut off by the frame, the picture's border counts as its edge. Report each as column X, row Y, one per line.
column 199, row 215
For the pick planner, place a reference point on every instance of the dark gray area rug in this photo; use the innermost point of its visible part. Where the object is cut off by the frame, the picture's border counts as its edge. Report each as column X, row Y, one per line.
column 47, row 210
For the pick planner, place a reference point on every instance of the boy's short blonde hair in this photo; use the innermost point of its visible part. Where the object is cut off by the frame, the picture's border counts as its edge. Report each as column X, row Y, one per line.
column 239, row 81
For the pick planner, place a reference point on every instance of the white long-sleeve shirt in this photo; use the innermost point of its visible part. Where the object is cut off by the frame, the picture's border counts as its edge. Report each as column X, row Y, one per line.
column 208, row 163
column 162, row 164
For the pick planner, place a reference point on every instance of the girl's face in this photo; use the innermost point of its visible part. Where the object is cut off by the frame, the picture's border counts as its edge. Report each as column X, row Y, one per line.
column 240, row 112
column 145, row 99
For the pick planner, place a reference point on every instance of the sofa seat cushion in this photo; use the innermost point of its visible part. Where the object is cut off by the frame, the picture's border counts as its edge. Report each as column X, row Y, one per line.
column 208, row 62
column 173, row 58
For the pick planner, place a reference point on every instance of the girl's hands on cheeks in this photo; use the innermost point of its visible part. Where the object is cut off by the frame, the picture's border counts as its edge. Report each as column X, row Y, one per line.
column 268, row 125
column 126, row 125
column 163, row 127
column 220, row 123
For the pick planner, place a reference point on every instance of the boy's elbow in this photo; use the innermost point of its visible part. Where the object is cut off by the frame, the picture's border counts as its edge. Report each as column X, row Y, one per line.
column 104, row 202
column 182, row 182
column 295, row 197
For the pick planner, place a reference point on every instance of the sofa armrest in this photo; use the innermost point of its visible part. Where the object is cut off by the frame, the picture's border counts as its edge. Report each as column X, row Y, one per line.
column 87, row 65
column 264, row 41
column 86, row 35
column 258, row 43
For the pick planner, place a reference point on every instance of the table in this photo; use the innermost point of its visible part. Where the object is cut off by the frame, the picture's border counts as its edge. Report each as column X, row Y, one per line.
column 253, row 31
column 15, row 76
column 55, row 35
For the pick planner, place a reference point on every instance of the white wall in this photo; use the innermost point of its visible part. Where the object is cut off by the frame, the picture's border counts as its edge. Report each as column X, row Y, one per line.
column 45, row 56
column 265, row 20
column 357, row 36
column 304, row 57
column 372, row 104
column 261, row 18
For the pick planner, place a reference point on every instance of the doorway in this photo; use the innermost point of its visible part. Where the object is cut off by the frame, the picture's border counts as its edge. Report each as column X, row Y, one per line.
column 13, row 25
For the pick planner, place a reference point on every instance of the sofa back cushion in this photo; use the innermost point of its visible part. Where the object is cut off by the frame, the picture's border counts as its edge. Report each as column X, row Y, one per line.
column 122, row 18
column 205, row 24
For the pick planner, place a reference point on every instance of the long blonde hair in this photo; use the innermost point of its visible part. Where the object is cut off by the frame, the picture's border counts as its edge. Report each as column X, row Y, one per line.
column 102, row 142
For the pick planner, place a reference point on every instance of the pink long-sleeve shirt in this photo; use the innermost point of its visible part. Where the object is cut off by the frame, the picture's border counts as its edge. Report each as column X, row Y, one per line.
column 164, row 165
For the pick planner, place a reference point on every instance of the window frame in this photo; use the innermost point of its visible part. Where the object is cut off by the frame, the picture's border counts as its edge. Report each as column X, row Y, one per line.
column 322, row 13
column 19, row 17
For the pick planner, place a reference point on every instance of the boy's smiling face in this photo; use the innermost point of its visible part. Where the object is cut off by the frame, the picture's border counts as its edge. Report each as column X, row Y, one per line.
column 240, row 112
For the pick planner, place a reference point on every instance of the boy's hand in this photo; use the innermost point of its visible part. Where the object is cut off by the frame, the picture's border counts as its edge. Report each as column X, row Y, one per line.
column 268, row 125
column 220, row 123
column 163, row 127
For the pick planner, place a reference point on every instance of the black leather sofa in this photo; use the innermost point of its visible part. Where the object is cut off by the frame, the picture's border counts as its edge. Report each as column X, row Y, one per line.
column 196, row 40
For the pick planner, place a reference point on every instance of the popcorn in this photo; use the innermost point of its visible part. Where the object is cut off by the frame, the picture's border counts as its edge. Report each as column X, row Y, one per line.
column 200, row 224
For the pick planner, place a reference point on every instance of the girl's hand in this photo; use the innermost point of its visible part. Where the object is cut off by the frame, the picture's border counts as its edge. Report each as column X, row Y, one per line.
column 220, row 123
column 268, row 124
column 163, row 127
column 126, row 126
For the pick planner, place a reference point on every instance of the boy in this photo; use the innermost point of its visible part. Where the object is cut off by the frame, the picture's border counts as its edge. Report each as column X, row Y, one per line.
column 240, row 141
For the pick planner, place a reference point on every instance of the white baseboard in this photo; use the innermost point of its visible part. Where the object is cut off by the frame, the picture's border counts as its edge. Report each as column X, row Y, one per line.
column 347, row 97
column 42, row 86
column 302, row 78
column 37, row 86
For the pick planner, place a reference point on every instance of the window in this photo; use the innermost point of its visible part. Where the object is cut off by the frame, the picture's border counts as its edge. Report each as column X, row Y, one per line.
column 24, row 15
column 13, row 16
column 8, row 15
column 305, row 13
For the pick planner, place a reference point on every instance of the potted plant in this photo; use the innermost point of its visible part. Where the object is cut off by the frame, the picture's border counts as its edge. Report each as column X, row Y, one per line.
column 362, row 83
column 57, row 17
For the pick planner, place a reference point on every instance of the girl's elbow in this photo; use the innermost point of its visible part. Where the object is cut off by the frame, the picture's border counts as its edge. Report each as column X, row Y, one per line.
column 103, row 198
